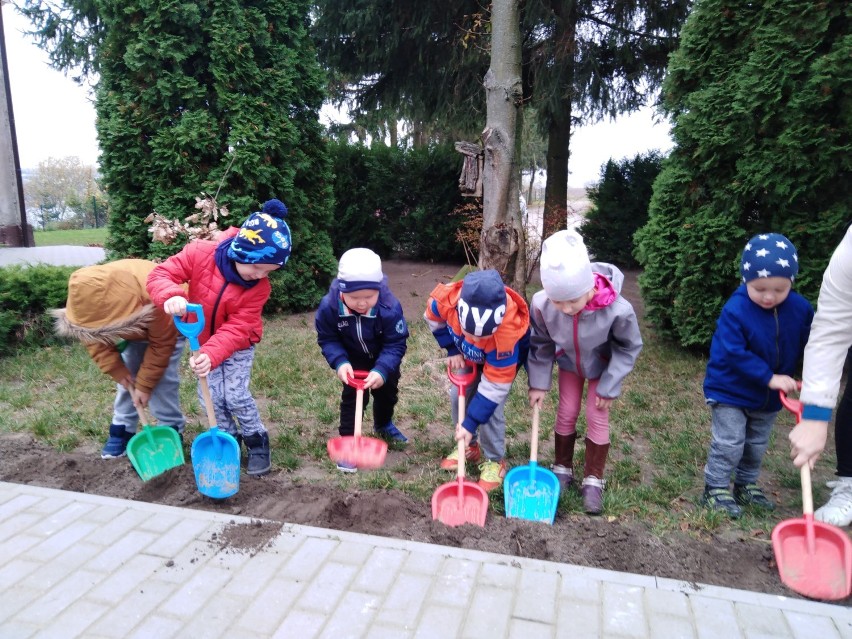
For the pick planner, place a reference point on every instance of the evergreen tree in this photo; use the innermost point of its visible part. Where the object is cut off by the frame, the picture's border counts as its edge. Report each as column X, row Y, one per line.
column 215, row 97
column 761, row 101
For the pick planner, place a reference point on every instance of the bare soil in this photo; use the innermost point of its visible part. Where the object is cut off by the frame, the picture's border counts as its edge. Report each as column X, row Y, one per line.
column 732, row 560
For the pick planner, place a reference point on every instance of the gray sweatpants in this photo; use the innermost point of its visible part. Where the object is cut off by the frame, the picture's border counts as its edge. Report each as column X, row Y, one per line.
column 739, row 440
column 233, row 403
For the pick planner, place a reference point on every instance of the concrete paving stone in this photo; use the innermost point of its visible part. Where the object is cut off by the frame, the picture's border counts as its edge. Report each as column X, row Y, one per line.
column 120, row 550
column 159, row 523
column 57, row 597
column 186, row 533
column 427, row 563
column 272, row 606
column 157, row 626
column 18, row 545
column 757, row 621
column 501, row 576
column 536, row 596
column 133, row 609
column 577, row 587
column 312, row 553
column 186, row 561
column 104, row 514
column 670, row 627
column 204, row 584
column 54, row 571
column 60, row 518
column 352, row 553
column 303, row 624
column 13, row 503
column 844, row 628
column 442, row 621
column 807, row 626
column 666, row 602
column 383, row 632
column 13, row 599
column 454, row 582
column 529, row 629
column 14, row 523
column 714, row 618
column 135, row 572
column 380, row 570
column 582, row 617
column 623, row 611
column 352, row 617
column 218, row 618
column 402, row 603
column 74, row 621
column 60, row 541
column 15, row 571
column 20, row 630
column 248, row 578
column 327, row 588
column 492, row 603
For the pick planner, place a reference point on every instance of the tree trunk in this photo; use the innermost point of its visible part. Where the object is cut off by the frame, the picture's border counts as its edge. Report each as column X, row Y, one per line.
column 559, row 129
column 502, row 243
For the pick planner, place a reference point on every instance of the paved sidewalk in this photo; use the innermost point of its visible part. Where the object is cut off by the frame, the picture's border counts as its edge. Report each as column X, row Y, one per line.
column 77, row 565
column 61, row 255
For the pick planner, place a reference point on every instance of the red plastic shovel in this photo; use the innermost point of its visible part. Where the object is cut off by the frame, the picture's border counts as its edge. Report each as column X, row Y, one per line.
column 814, row 558
column 460, row 502
column 363, row 452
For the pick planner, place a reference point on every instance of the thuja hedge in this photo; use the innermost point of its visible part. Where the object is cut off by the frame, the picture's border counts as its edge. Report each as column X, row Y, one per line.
column 26, row 296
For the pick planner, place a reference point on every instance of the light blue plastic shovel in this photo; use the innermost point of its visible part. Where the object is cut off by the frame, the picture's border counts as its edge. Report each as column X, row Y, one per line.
column 531, row 492
column 215, row 454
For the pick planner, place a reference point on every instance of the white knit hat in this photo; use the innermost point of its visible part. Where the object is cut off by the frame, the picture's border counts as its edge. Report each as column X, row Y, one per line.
column 359, row 268
column 566, row 273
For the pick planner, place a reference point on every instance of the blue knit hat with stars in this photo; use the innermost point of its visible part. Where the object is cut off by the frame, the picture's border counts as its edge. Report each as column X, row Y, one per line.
column 769, row 255
column 264, row 238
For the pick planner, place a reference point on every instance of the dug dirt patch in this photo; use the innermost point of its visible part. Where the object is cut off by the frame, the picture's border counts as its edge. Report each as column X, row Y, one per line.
column 298, row 497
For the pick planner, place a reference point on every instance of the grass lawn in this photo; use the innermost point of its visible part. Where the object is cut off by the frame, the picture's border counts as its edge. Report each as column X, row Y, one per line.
column 77, row 237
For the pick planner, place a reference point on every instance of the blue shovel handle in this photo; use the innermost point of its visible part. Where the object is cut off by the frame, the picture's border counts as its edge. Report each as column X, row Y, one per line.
column 191, row 330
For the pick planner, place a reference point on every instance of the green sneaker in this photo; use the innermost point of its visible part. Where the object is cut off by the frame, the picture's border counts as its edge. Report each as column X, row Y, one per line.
column 752, row 495
column 721, row 500
column 491, row 474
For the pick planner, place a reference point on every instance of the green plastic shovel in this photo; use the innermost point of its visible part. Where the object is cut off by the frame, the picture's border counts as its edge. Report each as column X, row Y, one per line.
column 154, row 449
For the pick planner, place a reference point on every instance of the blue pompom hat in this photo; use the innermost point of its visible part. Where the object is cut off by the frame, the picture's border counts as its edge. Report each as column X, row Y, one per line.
column 482, row 302
column 264, row 238
column 769, row 255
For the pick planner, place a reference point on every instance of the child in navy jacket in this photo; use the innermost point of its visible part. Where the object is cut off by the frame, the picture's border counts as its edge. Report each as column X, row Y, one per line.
column 759, row 341
column 360, row 326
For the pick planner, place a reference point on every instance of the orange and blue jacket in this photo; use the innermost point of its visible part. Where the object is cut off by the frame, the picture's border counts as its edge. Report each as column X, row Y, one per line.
column 499, row 355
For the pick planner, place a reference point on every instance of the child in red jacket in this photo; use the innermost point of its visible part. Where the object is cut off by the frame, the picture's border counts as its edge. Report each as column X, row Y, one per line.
column 230, row 280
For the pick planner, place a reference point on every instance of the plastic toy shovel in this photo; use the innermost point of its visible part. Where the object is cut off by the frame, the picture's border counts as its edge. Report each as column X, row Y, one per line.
column 215, row 454
column 814, row 558
column 363, row 452
column 532, row 492
column 154, row 449
column 460, row 502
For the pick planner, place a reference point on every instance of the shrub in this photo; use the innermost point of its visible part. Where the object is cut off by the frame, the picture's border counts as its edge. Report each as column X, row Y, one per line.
column 26, row 294
column 620, row 207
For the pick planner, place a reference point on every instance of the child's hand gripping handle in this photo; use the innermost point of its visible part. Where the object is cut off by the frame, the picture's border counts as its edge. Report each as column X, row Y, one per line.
column 191, row 330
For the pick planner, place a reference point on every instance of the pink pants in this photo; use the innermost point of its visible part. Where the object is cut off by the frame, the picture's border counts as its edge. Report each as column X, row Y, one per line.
column 570, row 398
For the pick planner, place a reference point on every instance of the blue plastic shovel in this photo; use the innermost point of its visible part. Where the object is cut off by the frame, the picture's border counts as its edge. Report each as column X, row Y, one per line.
column 531, row 492
column 215, row 454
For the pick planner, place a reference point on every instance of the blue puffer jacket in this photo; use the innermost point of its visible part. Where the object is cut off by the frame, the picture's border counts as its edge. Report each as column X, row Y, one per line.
column 750, row 345
column 378, row 337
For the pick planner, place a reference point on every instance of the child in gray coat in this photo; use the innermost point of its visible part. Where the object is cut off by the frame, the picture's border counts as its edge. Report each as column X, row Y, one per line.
column 581, row 322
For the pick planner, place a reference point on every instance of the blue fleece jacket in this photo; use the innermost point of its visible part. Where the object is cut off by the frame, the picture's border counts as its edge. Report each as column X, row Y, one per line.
column 378, row 337
column 750, row 345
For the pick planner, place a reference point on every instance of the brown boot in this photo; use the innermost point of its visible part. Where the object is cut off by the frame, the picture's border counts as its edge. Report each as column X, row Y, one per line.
column 563, row 463
column 593, row 483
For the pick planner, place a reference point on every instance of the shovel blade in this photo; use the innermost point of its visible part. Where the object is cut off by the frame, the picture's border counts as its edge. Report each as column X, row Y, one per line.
column 364, row 452
column 531, row 493
column 216, row 463
column 154, row 450
column 460, row 502
column 822, row 571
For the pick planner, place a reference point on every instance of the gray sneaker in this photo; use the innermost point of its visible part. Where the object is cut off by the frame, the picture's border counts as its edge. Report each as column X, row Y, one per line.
column 721, row 500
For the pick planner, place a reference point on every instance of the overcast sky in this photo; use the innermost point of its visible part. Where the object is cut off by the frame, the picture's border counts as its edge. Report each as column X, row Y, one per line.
column 54, row 117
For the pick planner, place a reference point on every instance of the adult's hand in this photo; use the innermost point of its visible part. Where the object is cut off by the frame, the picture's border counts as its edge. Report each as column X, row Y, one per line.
column 808, row 441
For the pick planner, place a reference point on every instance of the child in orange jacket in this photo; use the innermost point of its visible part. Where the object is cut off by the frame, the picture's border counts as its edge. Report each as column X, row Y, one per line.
column 481, row 320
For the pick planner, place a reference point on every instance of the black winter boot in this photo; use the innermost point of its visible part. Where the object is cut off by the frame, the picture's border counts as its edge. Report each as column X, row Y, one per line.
column 259, row 462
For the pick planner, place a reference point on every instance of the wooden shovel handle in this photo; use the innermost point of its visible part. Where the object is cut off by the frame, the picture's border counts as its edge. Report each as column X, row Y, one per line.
column 208, row 402
column 359, row 409
column 534, row 435
column 807, row 494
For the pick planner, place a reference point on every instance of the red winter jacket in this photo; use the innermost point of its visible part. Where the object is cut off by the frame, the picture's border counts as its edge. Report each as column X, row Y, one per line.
column 237, row 324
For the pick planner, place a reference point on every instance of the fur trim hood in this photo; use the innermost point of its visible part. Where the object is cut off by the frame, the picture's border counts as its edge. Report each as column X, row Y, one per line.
column 132, row 327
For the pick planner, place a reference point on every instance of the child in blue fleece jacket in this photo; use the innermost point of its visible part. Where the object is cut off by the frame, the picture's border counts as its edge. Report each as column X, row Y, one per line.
column 757, row 347
column 360, row 326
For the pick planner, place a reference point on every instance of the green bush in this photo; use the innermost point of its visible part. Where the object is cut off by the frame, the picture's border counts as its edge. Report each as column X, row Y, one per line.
column 397, row 201
column 620, row 207
column 26, row 294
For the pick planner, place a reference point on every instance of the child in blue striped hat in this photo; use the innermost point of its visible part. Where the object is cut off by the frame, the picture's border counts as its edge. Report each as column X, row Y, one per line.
column 756, row 349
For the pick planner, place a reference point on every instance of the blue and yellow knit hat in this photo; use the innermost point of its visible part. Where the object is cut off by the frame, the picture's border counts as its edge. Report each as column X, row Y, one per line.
column 264, row 238
column 769, row 255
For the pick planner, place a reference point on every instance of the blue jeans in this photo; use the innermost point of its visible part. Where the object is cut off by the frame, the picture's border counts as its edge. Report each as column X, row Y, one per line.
column 235, row 408
column 491, row 434
column 164, row 404
column 739, row 440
